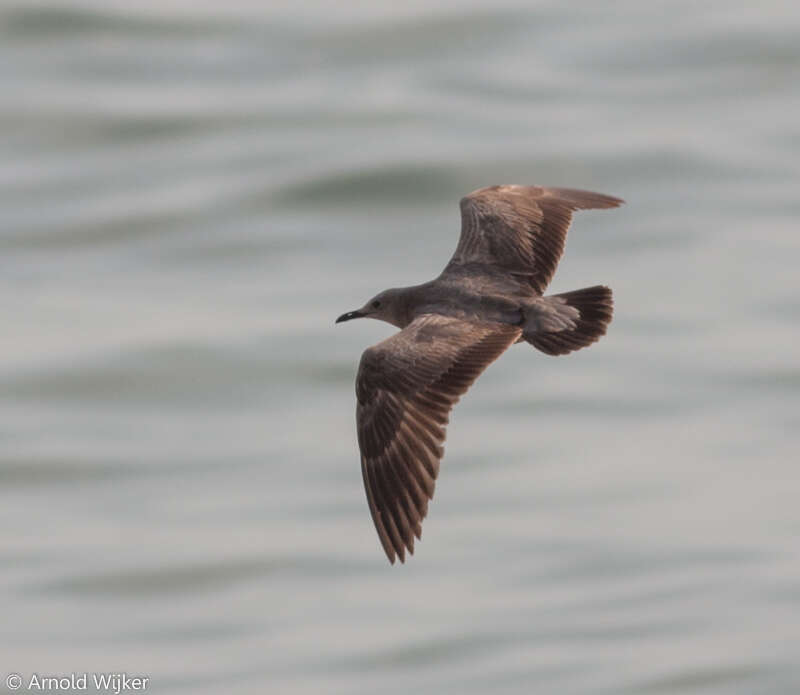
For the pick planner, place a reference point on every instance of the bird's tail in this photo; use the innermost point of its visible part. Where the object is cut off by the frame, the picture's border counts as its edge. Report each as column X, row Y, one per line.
column 562, row 323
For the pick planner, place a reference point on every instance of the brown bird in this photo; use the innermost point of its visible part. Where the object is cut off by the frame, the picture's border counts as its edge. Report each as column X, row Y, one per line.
column 488, row 297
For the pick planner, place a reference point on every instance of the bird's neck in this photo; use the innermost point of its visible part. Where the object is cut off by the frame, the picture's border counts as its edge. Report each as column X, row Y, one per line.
column 408, row 303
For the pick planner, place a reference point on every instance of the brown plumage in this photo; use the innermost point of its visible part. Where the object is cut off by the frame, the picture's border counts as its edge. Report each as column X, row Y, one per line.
column 488, row 297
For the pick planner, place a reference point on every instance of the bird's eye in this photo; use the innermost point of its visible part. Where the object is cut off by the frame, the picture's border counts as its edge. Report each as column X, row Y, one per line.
column 376, row 304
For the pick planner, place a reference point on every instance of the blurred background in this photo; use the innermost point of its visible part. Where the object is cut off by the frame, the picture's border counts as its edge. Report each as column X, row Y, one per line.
column 191, row 192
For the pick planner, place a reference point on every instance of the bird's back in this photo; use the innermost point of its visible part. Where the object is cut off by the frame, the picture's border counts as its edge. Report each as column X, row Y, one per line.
column 469, row 296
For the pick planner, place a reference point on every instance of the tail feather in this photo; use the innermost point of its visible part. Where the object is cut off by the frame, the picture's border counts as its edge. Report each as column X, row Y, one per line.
column 562, row 323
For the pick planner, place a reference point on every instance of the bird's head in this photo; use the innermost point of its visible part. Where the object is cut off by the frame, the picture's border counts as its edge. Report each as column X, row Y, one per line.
column 386, row 306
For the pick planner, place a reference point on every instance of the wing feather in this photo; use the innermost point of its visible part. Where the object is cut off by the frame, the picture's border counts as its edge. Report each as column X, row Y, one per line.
column 406, row 387
column 521, row 230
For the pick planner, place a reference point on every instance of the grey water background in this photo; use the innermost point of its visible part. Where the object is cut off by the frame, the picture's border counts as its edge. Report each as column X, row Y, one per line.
column 191, row 192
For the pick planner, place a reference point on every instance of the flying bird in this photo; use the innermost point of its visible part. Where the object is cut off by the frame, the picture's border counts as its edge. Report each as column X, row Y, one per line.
column 489, row 296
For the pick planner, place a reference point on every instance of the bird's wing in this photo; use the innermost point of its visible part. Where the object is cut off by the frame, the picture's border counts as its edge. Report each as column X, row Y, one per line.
column 406, row 387
column 521, row 229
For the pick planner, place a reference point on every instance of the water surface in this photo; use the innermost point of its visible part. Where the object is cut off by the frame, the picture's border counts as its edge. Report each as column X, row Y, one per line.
column 190, row 193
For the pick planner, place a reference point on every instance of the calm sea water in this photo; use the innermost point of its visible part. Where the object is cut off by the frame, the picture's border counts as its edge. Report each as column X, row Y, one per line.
column 191, row 192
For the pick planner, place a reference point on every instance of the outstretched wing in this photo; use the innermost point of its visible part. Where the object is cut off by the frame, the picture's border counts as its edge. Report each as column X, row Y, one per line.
column 406, row 387
column 521, row 229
